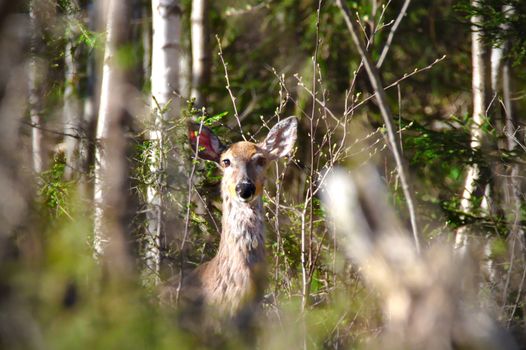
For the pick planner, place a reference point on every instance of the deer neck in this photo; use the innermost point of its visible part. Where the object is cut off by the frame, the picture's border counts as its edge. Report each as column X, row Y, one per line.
column 242, row 238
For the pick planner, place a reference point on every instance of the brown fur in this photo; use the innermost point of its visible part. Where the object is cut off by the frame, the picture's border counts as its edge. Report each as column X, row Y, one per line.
column 236, row 277
column 233, row 282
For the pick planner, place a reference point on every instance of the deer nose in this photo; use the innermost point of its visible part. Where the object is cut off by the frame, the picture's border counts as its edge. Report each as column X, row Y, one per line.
column 245, row 189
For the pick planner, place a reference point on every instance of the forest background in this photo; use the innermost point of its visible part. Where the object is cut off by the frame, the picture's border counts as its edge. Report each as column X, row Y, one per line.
column 101, row 200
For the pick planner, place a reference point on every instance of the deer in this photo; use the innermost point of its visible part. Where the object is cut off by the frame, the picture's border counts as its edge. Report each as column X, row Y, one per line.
column 232, row 283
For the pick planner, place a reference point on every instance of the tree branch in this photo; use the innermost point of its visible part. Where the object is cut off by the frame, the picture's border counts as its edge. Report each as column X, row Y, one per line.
column 387, row 116
column 227, row 86
column 387, row 45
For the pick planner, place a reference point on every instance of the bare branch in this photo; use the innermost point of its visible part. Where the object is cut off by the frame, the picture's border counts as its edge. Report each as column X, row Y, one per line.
column 232, row 97
column 387, row 116
column 387, row 45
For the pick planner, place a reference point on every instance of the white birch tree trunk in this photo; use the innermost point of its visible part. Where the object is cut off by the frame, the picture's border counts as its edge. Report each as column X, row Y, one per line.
column 146, row 39
column 89, row 112
column 496, row 168
column 110, row 191
column 166, row 18
column 200, row 50
column 35, row 116
column 513, row 182
column 185, row 71
column 35, row 80
column 500, row 88
column 478, row 117
column 41, row 13
column 496, row 65
column 72, row 114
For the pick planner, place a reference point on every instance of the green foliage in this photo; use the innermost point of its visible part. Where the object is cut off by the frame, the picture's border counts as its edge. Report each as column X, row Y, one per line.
column 212, row 120
column 54, row 192
column 90, row 39
column 127, row 57
column 503, row 24
column 73, row 305
column 68, row 6
column 438, row 156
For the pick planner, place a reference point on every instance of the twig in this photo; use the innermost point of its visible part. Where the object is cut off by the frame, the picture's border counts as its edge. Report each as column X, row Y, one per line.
column 187, row 218
column 218, row 230
column 510, row 271
column 517, row 300
column 308, row 195
column 232, row 97
column 392, row 32
column 323, row 105
column 387, row 116
column 400, row 116
column 60, row 133
column 318, row 250
column 369, row 42
column 396, row 82
column 232, row 12
column 279, row 181
column 317, row 100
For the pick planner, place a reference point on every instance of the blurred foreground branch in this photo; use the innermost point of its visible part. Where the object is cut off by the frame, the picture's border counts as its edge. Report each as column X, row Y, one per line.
column 428, row 298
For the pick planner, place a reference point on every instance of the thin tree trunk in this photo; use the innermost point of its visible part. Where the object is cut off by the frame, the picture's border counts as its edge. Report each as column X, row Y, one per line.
column 479, row 113
column 497, row 184
column 36, row 81
column 200, row 50
column 510, row 122
column 496, row 65
column 111, row 168
column 166, row 18
column 36, row 118
column 387, row 116
column 513, row 183
column 86, row 150
column 479, row 106
column 72, row 113
column 42, row 13
column 390, row 37
column 185, row 72
column 146, row 38
column 165, row 106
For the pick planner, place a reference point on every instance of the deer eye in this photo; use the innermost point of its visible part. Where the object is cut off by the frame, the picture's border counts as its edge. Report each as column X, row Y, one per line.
column 226, row 163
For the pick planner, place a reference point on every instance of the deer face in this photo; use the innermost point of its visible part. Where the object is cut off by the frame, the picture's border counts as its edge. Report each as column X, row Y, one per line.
column 244, row 163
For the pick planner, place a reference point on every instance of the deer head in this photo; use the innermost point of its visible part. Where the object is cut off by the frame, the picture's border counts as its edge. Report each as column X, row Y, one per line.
column 244, row 163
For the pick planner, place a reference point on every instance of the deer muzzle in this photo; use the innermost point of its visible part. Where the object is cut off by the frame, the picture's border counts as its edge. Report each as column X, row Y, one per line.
column 245, row 190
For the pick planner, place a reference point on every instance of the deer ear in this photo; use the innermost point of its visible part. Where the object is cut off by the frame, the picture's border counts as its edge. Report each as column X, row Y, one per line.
column 210, row 148
column 281, row 138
